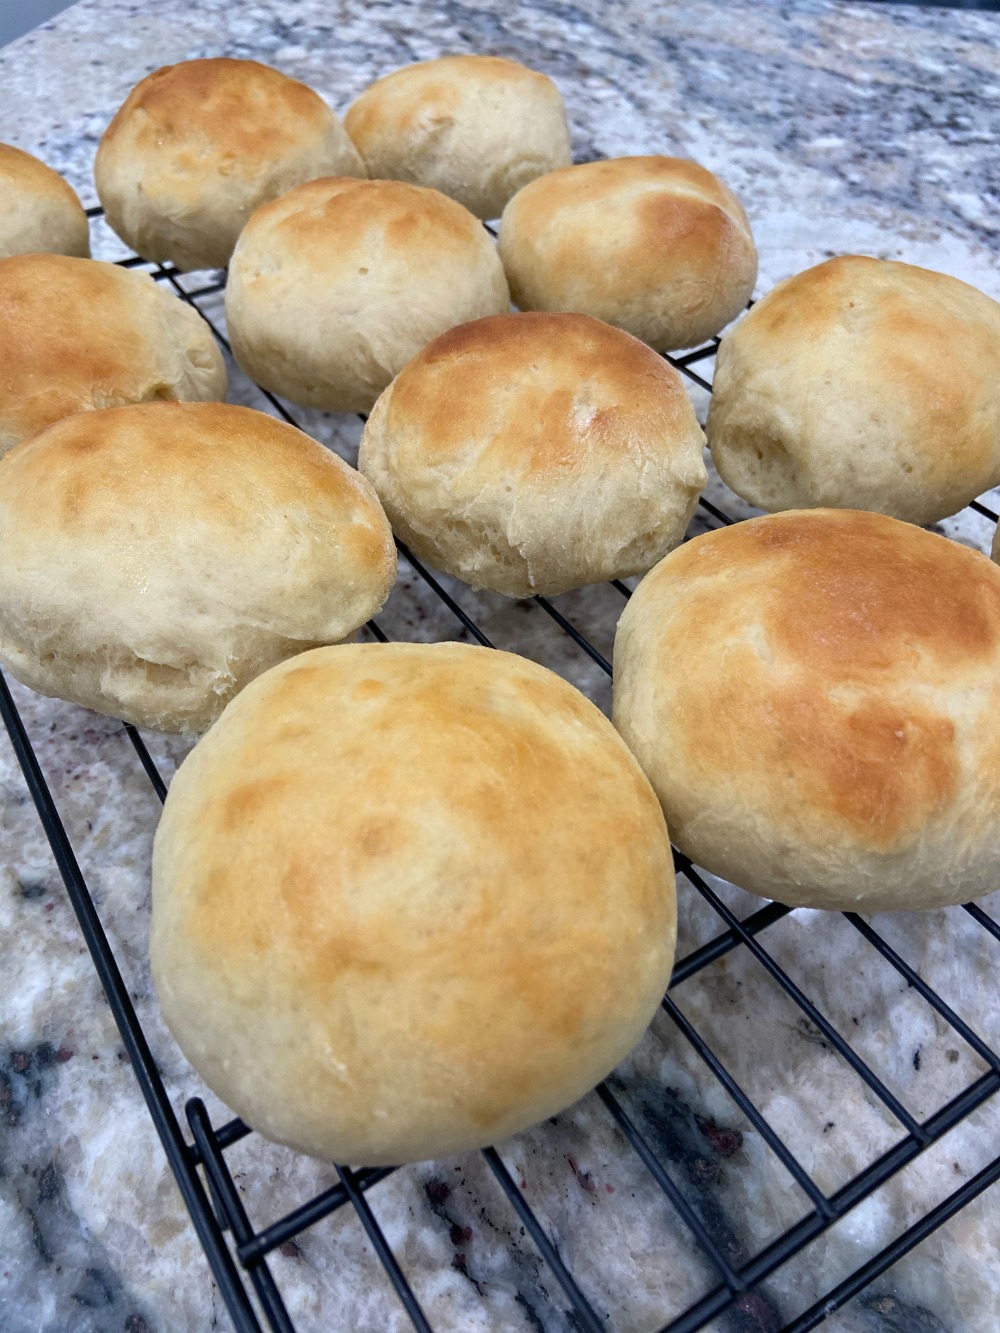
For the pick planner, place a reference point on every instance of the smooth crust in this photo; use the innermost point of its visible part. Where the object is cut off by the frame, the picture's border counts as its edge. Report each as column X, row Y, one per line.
column 409, row 899
column 41, row 212
column 77, row 334
column 477, row 128
column 657, row 245
column 536, row 453
column 196, row 147
column 815, row 697
column 861, row 384
column 336, row 285
column 157, row 558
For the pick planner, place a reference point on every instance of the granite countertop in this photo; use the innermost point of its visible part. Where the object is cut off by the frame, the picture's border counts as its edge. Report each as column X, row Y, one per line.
column 843, row 127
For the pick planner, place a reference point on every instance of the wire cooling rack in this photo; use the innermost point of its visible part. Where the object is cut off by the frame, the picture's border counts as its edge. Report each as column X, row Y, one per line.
column 206, row 1182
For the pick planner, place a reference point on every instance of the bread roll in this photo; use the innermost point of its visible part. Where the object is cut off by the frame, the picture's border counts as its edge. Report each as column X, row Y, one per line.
column 41, row 212
column 861, row 384
column 536, row 453
column 476, row 128
column 337, row 284
column 196, row 147
column 815, row 697
column 77, row 334
column 409, row 899
column 158, row 557
column 656, row 245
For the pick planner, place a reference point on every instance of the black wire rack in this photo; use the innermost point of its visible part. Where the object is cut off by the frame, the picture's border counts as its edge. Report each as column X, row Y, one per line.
column 198, row 1158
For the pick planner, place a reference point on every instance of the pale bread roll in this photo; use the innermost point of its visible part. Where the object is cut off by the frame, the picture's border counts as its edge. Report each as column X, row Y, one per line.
column 536, row 453
column 157, row 558
column 656, row 245
column 77, row 334
column 477, row 128
column 40, row 212
column 409, row 899
column 815, row 697
column 197, row 146
column 861, row 384
column 336, row 285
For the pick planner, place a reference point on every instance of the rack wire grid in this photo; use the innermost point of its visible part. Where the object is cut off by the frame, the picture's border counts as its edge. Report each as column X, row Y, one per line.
column 206, row 1181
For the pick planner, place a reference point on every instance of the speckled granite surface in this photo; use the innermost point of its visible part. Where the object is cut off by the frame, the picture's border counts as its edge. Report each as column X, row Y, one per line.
column 843, row 127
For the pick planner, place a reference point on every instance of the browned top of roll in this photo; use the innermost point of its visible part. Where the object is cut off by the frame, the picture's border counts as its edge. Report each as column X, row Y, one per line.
column 432, row 87
column 455, row 392
column 403, row 217
column 27, row 172
column 847, row 669
column 255, row 113
column 674, row 207
column 77, row 334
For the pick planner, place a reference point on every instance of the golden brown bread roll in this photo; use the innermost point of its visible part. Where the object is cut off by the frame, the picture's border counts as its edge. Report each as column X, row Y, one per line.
column 77, row 334
column 158, row 557
column 197, row 146
column 334, row 286
column 657, row 245
column 41, row 212
column 409, row 899
column 477, row 128
column 536, row 453
column 861, row 384
column 815, row 697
